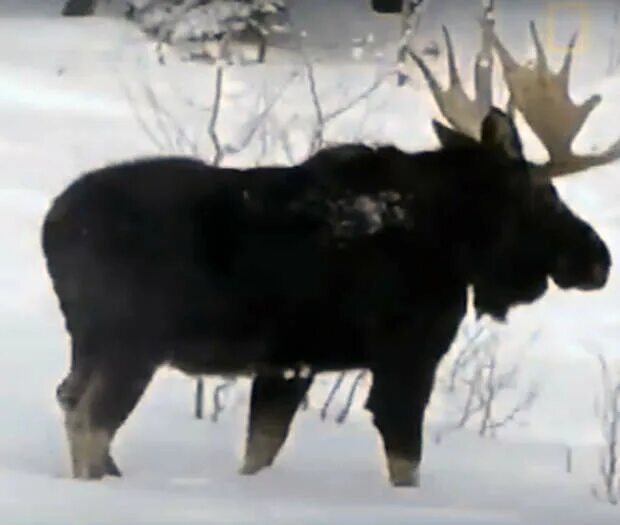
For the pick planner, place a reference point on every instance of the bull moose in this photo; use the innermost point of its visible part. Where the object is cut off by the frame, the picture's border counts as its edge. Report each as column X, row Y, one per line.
column 359, row 257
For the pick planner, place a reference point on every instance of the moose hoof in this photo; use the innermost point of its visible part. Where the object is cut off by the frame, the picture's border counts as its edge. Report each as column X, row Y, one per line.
column 89, row 472
column 97, row 471
column 249, row 469
column 111, row 469
column 253, row 466
column 260, row 453
column 404, row 472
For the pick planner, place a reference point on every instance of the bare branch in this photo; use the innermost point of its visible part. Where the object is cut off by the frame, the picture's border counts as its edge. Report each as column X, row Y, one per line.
column 318, row 138
column 465, row 355
column 476, row 377
column 410, row 20
column 259, row 120
column 331, row 395
column 363, row 95
column 483, row 71
column 161, row 116
column 142, row 121
column 473, row 404
column 212, row 127
column 286, row 145
column 347, row 406
column 525, row 404
column 609, row 465
column 488, row 393
column 322, row 118
column 218, row 404
column 199, row 398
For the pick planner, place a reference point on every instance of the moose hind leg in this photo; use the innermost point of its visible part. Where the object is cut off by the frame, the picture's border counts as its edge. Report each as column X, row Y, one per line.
column 71, row 395
column 105, row 399
column 273, row 404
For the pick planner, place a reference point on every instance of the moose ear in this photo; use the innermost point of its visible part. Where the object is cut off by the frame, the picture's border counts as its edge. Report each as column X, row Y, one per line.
column 451, row 139
column 499, row 133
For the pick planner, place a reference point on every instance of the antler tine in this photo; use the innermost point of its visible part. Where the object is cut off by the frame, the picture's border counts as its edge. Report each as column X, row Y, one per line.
column 506, row 59
column 455, row 79
column 568, row 58
column 430, row 79
column 541, row 56
column 463, row 113
column 510, row 107
column 576, row 163
column 543, row 98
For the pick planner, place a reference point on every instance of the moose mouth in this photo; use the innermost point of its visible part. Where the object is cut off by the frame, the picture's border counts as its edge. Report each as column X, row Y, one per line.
column 594, row 279
column 495, row 299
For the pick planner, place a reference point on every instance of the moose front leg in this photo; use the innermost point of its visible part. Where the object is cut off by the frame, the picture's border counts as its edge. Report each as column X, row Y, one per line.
column 273, row 404
column 397, row 401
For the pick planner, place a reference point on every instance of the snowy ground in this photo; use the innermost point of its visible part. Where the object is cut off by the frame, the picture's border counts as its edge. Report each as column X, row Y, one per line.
column 64, row 109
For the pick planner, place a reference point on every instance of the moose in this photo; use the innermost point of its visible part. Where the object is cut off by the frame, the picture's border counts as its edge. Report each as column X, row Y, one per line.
column 358, row 257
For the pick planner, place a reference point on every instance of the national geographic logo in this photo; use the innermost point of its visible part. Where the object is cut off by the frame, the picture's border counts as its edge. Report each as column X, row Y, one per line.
column 573, row 15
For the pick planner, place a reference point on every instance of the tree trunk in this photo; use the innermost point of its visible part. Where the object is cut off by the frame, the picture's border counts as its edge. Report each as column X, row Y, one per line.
column 199, row 398
column 79, row 8
column 410, row 19
column 387, row 6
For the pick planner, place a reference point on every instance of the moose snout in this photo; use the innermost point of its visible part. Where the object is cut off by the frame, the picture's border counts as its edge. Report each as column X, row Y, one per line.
column 583, row 276
column 598, row 277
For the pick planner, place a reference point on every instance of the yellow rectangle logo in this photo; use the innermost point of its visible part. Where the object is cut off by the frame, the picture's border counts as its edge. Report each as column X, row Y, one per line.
column 556, row 11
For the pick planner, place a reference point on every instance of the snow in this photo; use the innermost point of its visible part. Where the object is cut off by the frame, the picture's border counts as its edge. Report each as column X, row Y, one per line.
column 64, row 107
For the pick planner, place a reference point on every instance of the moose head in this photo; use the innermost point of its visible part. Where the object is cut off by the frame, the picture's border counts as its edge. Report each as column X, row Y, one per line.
column 548, row 239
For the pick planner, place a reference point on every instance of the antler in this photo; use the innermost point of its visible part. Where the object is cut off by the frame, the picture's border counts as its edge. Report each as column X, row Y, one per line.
column 543, row 99
column 464, row 114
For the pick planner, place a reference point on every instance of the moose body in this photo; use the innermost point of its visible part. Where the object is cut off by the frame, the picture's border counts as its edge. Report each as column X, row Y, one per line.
column 357, row 258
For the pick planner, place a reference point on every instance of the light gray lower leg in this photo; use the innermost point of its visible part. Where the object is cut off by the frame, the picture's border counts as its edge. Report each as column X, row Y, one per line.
column 273, row 405
column 403, row 472
column 261, row 450
column 89, row 446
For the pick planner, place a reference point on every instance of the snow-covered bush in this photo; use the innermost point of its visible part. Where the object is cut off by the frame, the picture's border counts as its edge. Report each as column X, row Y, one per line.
column 184, row 23
column 608, row 412
column 476, row 382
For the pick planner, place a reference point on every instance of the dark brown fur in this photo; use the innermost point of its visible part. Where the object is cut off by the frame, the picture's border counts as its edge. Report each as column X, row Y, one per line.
column 357, row 258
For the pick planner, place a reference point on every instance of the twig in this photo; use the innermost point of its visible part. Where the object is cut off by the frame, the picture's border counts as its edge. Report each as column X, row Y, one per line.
column 218, row 406
column 342, row 416
column 465, row 355
column 331, row 395
column 317, row 139
column 260, row 118
column 199, row 398
column 142, row 121
column 215, row 111
column 358, row 98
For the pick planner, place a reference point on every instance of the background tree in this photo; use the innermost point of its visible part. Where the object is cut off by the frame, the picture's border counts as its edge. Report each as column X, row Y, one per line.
column 476, row 383
column 79, row 7
column 613, row 60
column 387, row 6
column 608, row 412
column 410, row 21
column 197, row 27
